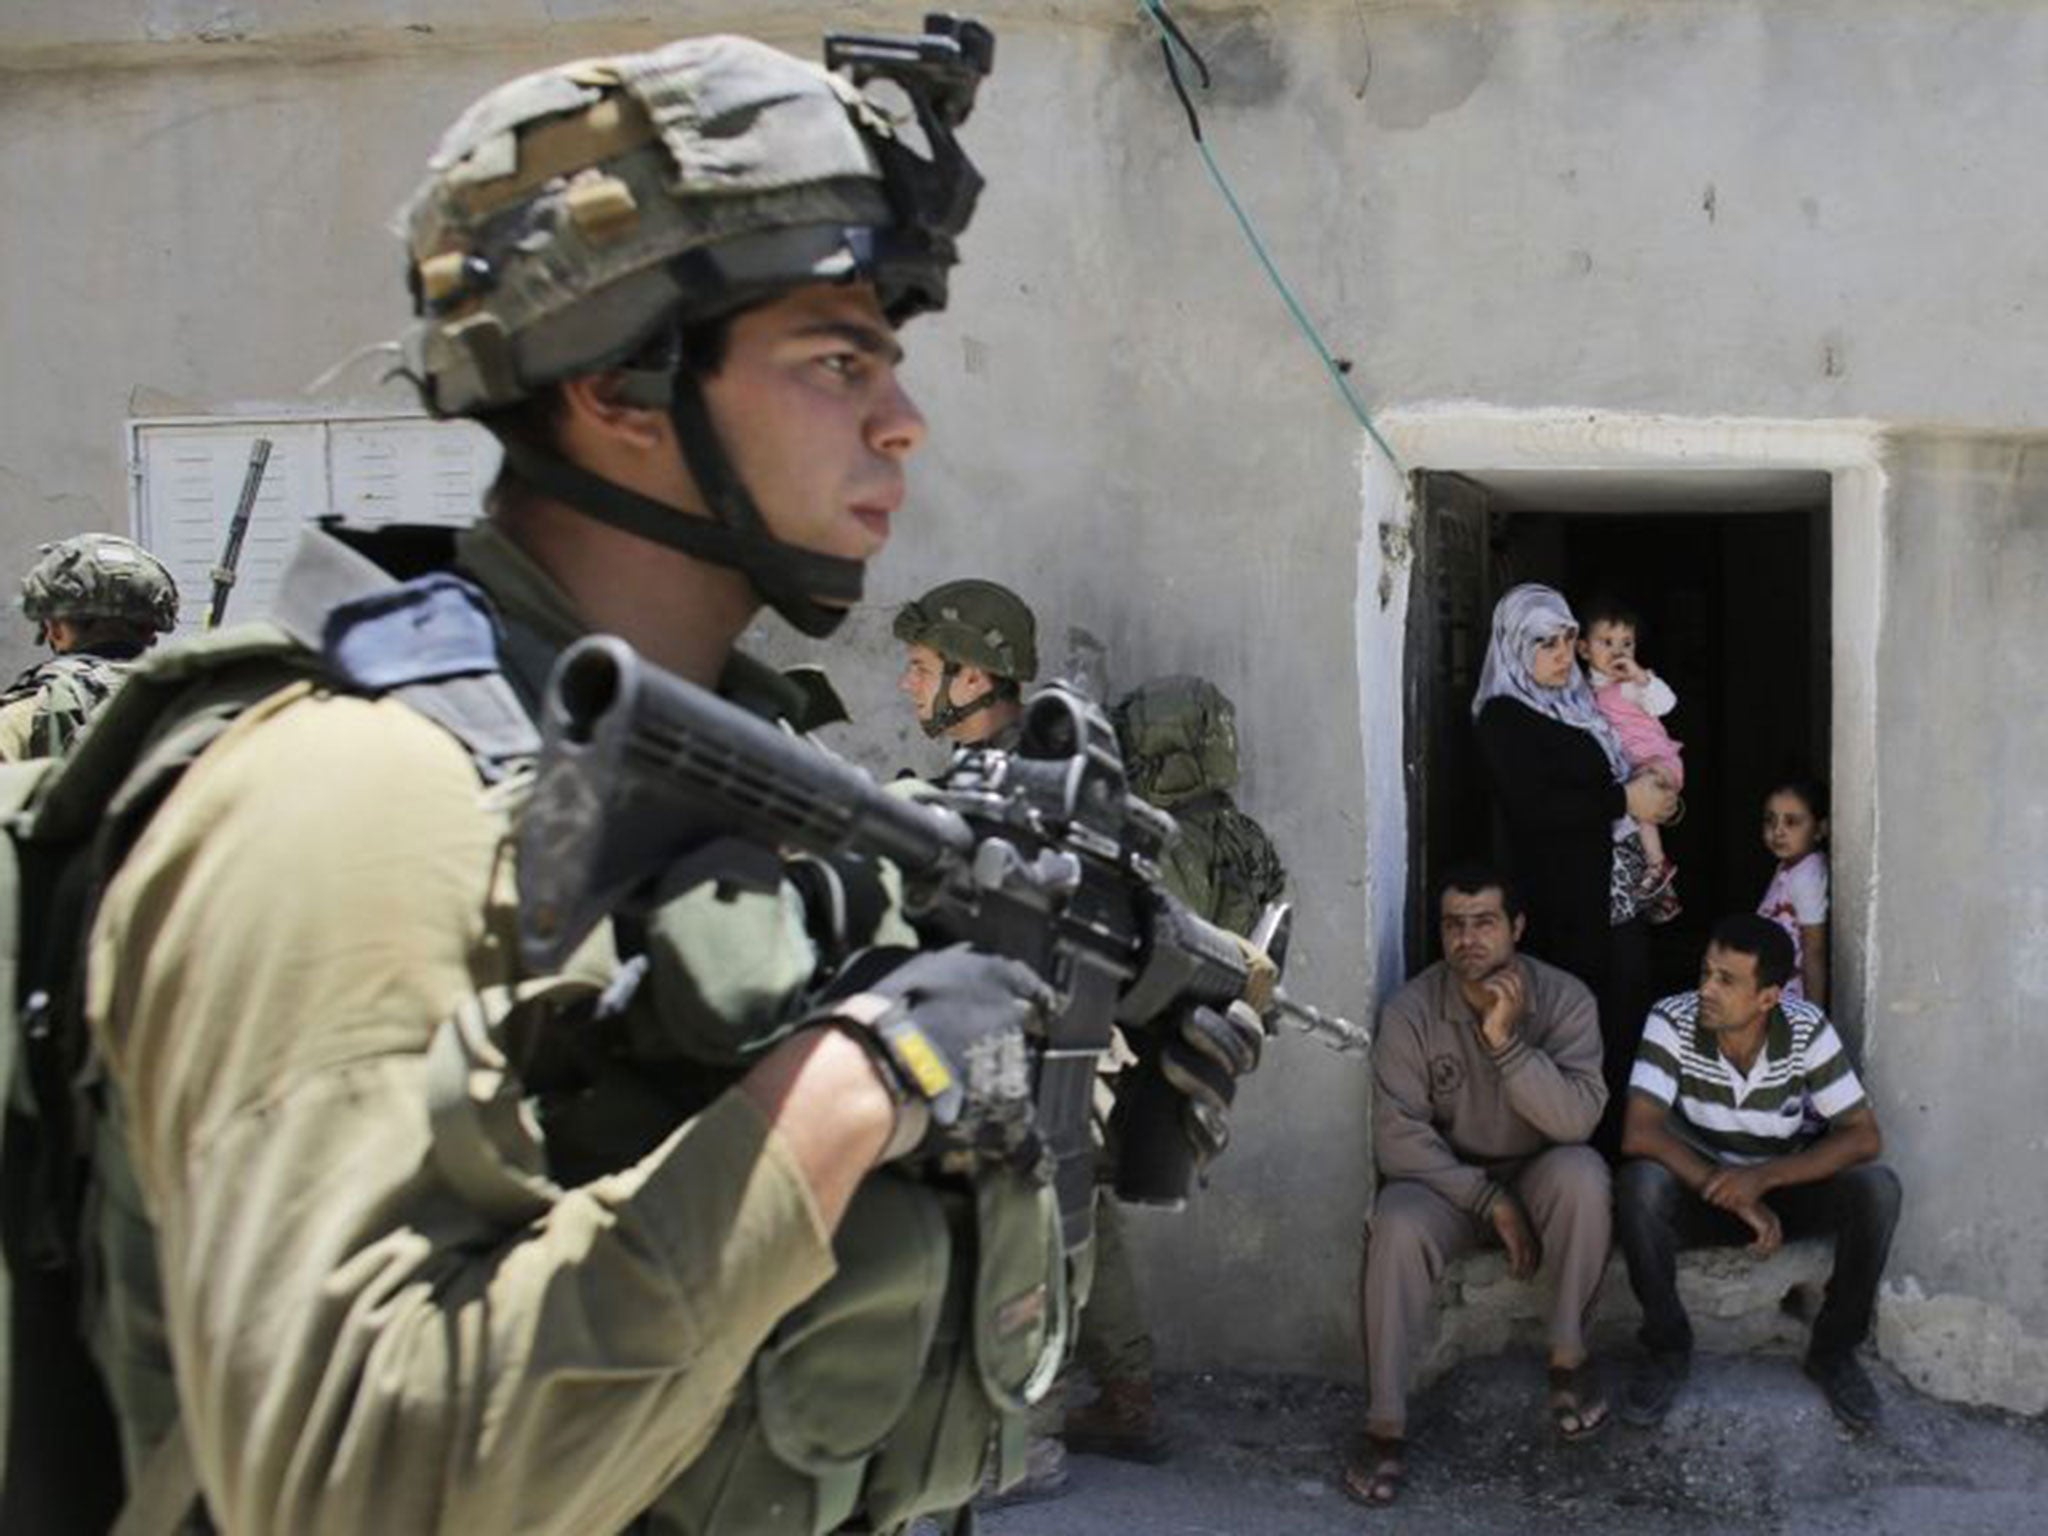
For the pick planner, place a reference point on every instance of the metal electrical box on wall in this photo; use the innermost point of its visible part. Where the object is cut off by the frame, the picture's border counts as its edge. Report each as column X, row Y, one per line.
column 185, row 474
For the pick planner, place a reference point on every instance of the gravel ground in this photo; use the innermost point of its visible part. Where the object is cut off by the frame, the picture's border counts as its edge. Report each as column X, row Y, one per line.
column 1750, row 1448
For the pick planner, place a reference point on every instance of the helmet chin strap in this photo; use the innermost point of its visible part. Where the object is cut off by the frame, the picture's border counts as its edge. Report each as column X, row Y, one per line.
column 813, row 591
column 945, row 713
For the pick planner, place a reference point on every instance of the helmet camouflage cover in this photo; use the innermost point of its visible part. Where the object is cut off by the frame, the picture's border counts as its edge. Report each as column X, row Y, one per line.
column 100, row 576
column 974, row 623
column 571, row 215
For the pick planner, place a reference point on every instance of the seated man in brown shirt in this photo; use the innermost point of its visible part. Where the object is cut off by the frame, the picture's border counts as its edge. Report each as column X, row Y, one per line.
column 1486, row 1084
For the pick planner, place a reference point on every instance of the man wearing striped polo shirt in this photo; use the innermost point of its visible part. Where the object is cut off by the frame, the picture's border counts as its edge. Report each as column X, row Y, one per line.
column 1746, row 1121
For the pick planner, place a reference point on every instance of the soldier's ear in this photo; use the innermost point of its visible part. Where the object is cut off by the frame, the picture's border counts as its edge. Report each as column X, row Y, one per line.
column 600, row 403
column 1516, row 925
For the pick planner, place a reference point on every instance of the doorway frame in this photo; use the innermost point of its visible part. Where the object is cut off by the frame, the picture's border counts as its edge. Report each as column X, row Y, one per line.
column 1475, row 440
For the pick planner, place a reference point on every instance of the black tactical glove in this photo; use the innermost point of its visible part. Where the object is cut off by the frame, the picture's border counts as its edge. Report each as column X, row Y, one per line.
column 1204, row 1054
column 949, row 1027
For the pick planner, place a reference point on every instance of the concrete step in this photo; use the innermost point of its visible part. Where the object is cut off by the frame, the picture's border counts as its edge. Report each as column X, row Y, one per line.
column 1738, row 1303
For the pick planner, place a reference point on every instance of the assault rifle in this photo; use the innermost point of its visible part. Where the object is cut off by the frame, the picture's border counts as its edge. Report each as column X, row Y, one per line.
column 648, row 785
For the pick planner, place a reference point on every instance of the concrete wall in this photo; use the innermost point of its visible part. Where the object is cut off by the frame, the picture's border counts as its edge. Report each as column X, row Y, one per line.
column 1693, row 208
column 1954, row 1035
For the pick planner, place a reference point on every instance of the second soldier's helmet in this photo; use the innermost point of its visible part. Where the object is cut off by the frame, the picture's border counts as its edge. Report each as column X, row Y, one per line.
column 100, row 576
column 974, row 623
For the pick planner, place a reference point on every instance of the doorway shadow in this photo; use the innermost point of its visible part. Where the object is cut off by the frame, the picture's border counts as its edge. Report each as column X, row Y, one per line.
column 1735, row 607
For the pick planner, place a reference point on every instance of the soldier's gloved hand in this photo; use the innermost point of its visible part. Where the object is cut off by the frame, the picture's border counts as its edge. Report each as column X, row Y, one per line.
column 948, row 1028
column 1204, row 1055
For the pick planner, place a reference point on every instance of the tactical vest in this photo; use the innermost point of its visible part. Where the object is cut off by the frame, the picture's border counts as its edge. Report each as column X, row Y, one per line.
column 68, row 691
column 887, row 1395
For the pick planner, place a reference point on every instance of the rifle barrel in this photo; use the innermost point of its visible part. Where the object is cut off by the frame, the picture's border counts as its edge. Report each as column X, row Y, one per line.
column 1333, row 1030
column 238, row 528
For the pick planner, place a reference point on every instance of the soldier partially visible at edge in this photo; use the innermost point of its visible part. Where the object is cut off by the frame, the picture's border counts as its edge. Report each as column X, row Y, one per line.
column 98, row 601
column 1178, row 736
column 386, row 1305
column 971, row 645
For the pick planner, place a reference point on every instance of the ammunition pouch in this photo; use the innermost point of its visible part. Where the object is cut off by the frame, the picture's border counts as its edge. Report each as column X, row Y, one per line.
column 891, row 1392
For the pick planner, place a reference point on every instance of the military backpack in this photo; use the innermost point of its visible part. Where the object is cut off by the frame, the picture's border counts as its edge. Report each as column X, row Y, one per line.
column 66, row 822
column 1179, row 740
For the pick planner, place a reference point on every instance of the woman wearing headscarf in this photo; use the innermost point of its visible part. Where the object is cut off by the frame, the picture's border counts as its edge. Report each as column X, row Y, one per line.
column 1562, row 783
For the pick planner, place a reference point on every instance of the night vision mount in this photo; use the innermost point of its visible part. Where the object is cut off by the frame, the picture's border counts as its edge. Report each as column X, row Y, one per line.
column 939, row 72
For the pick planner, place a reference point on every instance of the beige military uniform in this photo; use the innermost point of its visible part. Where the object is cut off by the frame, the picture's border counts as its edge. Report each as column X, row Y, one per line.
column 43, row 711
column 17, row 724
column 360, row 1335
column 360, row 1347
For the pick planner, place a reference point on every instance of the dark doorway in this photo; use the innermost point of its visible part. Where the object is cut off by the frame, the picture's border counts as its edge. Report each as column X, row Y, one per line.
column 1730, row 575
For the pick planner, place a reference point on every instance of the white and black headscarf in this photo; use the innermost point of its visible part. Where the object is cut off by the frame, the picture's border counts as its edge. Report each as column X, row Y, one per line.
column 1525, row 616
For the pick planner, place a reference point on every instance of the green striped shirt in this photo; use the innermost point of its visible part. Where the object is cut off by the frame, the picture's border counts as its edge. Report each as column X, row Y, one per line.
column 1800, row 1081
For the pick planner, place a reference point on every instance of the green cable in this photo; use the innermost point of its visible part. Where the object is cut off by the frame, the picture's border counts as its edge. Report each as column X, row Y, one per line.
column 1170, row 38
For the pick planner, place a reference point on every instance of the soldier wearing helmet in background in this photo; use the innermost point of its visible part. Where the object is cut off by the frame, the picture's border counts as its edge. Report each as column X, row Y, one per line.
column 447, row 1246
column 1178, row 736
column 98, row 602
column 972, row 645
column 1179, row 740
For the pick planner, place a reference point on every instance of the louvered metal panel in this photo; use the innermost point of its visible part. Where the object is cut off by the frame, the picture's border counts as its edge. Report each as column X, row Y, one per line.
column 187, row 474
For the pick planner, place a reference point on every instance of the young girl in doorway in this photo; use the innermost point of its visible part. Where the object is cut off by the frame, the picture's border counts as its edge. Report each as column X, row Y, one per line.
column 1795, row 827
column 1633, row 698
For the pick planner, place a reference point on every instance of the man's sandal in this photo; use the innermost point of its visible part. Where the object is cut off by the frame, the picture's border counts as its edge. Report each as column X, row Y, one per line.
column 1375, row 1473
column 1577, row 1405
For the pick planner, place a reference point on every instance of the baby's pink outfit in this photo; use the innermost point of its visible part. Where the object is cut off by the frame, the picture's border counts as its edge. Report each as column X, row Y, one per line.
column 1632, row 709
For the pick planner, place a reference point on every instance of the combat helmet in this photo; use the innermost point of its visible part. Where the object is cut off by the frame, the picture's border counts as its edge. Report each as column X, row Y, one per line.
column 584, row 218
column 971, row 623
column 100, row 576
column 1179, row 739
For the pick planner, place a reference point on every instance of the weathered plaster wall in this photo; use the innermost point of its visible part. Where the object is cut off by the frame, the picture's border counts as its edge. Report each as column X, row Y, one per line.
column 1953, row 1033
column 1724, row 208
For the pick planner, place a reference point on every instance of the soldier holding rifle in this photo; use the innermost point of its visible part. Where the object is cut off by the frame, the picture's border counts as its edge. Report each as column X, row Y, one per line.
column 685, row 1229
